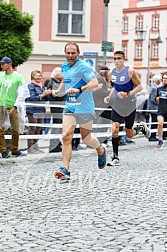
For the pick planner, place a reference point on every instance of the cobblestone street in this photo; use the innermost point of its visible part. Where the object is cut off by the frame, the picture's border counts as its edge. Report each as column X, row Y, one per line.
column 116, row 209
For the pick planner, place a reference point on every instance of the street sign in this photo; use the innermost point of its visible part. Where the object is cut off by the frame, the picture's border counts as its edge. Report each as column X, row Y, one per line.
column 90, row 54
column 91, row 59
column 107, row 46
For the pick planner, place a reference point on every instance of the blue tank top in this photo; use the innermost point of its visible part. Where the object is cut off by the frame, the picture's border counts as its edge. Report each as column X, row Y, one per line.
column 122, row 81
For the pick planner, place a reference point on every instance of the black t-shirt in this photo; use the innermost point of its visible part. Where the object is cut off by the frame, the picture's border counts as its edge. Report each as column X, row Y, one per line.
column 99, row 96
column 53, row 85
column 101, row 93
column 162, row 106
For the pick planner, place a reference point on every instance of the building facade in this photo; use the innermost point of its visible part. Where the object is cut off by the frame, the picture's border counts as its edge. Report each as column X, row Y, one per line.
column 57, row 22
column 145, row 21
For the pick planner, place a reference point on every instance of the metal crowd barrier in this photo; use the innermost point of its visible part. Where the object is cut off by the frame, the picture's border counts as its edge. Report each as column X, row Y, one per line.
column 76, row 135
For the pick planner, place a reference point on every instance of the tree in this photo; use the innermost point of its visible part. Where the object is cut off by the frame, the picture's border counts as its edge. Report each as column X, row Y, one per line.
column 15, row 36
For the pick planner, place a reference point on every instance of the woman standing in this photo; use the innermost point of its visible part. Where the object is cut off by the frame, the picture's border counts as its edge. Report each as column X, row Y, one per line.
column 38, row 93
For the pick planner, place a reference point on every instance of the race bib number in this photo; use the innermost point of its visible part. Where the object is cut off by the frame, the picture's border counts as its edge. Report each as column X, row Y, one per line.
column 73, row 100
column 163, row 94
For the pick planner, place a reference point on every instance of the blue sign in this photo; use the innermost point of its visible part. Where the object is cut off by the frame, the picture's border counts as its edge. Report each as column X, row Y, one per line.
column 91, row 59
column 90, row 62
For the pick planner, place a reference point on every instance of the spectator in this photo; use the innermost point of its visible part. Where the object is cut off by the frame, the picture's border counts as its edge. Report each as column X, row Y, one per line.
column 141, row 99
column 75, row 140
column 103, row 89
column 11, row 94
column 47, row 117
column 34, row 113
column 152, row 104
column 56, row 78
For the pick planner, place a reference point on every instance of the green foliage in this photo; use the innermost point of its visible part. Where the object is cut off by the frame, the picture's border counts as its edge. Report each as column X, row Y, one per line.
column 15, row 38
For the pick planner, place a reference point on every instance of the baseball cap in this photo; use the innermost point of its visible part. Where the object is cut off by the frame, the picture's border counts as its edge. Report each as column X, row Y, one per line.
column 6, row 60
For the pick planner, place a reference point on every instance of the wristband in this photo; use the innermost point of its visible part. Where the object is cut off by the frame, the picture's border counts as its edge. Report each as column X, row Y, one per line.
column 80, row 90
column 14, row 107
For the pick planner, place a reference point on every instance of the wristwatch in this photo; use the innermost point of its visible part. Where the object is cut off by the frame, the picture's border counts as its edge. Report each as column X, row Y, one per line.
column 80, row 90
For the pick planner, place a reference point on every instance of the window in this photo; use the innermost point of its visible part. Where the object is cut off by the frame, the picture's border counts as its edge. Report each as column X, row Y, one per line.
column 155, row 50
column 155, row 23
column 70, row 17
column 125, row 49
column 125, row 24
column 138, row 51
column 139, row 23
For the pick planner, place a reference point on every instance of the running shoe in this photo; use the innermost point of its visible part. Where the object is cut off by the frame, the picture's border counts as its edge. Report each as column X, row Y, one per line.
column 62, row 173
column 114, row 161
column 102, row 159
column 160, row 144
column 145, row 130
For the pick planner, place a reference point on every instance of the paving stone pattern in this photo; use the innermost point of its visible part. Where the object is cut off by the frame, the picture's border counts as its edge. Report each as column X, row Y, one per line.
column 116, row 209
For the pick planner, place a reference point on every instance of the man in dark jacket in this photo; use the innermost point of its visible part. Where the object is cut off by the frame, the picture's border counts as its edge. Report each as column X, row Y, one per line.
column 152, row 105
column 56, row 111
column 103, row 89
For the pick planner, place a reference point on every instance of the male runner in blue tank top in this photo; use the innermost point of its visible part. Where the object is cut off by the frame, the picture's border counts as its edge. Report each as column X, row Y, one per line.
column 78, row 81
column 126, row 84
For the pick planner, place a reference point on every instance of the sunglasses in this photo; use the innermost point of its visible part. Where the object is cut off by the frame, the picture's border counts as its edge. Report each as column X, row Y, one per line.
column 117, row 58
